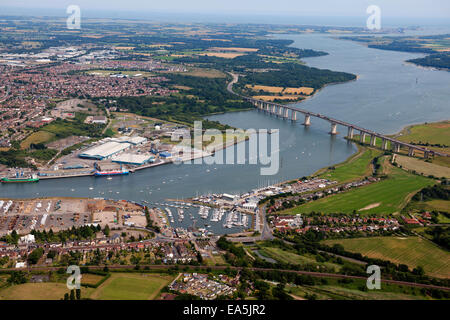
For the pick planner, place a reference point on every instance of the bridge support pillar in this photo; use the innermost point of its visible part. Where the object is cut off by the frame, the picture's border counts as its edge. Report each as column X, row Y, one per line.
column 293, row 115
column 307, row 120
column 286, row 113
column 362, row 137
column 373, row 140
column 333, row 128
column 267, row 107
column 411, row 152
column 384, row 144
column 273, row 109
column 397, row 147
column 350, row 133
column 280, row 111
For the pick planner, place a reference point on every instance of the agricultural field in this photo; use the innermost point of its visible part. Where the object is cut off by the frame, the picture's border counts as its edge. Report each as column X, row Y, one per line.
column 384, row 197
column 436, row 134
column 234, row 49
column 433, row 133
column 442, row 161
column 411, row 251
column 439, row 205
column 422, row 167
column 226, row 55
column 200, row 72
column 356, row 167
column 124, row 286
column 301, row 90
column 92, row 279
column 273, row 98
column 431, row 205
column 39, row 291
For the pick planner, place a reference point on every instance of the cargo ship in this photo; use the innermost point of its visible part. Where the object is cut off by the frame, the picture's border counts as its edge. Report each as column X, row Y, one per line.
column 111, row 173
column 20, row 179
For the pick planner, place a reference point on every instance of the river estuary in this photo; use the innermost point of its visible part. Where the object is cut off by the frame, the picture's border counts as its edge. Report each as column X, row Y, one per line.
column 388, row 95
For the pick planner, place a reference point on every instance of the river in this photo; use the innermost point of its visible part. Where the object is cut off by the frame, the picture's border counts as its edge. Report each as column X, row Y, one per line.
column 388, row 95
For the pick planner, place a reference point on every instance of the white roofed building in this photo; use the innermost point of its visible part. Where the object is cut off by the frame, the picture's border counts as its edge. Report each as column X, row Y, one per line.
column 29, row 238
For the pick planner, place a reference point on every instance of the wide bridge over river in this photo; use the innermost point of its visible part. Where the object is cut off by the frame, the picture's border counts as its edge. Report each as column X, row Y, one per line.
column 293, row 113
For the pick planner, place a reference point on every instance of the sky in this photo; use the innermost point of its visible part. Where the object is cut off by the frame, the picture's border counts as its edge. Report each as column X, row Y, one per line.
column 402, row 9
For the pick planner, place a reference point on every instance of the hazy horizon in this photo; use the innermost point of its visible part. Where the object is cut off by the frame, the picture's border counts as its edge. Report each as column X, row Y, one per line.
column 324, row 12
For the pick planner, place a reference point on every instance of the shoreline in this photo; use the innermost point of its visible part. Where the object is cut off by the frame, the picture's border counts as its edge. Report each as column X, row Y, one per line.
column 215, row 148
column 408, row 126
column 426, row 67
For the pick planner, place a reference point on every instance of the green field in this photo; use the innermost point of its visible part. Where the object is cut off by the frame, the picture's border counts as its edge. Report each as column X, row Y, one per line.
column 39, row 291
column 438, row 132
column 431, row 205
column 285, row 256
column 124, row 286
column 383, row 197
column 412, row 251
column 36, row 137
column 354, row 168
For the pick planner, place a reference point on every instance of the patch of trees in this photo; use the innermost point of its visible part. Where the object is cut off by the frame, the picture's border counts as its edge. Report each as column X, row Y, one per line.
column 63, row 128
column 206, row 96
column 434, row 192
column 15, row 158
column 75, row 294
column 80, row 233
column 402, row 45
column 235, row 255
column 272, row 198
column 12, row 238
column 150, row 224
column 441, row 235
column 43, row 154
column 35, row 255
column 439, row 60
column 17, row 277
column 296, row 75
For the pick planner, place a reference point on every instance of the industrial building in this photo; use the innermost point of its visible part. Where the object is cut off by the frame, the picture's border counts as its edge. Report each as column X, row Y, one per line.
column 111, row 146
column 133, row 159
column 105, row 150
column 99, row 119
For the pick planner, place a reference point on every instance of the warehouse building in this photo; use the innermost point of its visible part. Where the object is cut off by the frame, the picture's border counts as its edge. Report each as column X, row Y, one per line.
column 105, row 150
column 111, row 146
column 133, row 159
